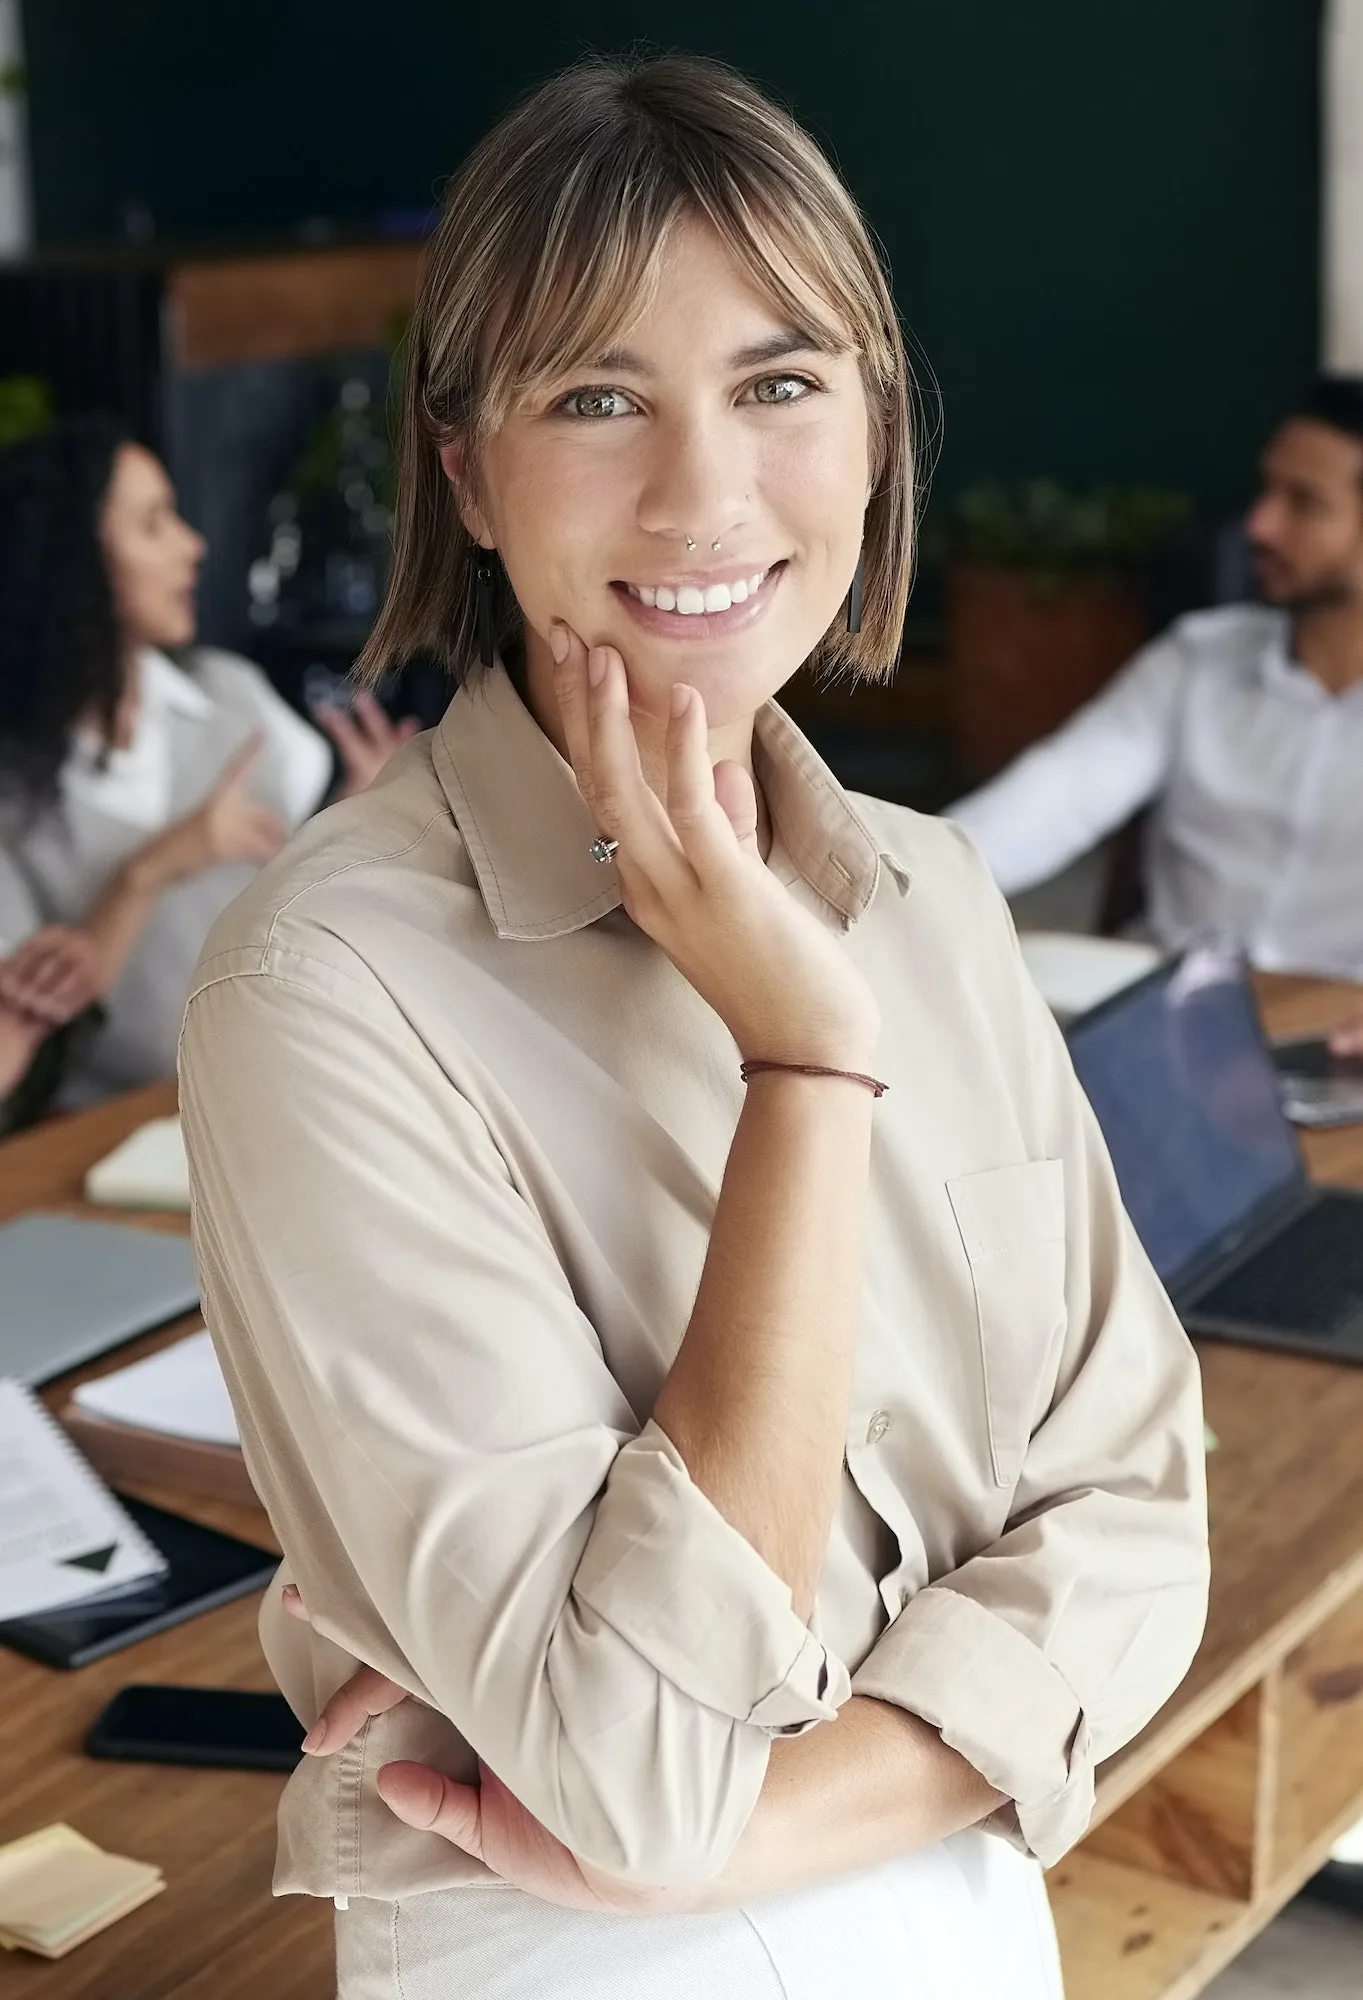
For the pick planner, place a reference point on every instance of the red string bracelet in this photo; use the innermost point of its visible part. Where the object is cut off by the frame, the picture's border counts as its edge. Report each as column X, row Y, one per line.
column 871, row 1083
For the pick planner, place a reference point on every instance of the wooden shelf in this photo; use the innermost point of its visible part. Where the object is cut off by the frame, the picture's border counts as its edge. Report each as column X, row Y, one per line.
column 1178, row 1876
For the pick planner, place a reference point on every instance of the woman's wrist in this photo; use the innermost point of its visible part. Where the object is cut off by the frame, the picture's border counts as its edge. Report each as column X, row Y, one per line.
column 158, row 864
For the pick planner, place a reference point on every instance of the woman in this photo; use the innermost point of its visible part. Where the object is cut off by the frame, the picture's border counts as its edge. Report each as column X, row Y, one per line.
column 136, row 797
column 776, row 1495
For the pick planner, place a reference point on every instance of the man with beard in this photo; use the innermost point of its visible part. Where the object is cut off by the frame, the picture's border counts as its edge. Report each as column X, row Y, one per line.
column 1240, row 728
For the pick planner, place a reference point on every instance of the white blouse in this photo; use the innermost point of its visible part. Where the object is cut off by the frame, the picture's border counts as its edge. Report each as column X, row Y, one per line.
column 52, row 868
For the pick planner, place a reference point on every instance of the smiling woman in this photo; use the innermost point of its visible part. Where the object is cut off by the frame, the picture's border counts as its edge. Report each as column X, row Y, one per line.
column 739, row 1531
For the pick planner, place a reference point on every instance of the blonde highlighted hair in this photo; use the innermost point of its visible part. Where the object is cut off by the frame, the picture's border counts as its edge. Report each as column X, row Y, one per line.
column 548, row 247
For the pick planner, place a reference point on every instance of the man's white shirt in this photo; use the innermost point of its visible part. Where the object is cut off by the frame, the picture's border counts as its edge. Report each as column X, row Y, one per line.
column 1253, row 770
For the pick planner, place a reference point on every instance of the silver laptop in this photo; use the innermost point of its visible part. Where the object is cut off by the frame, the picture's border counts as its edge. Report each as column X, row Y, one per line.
column 69, row 1289
column 1212, row 1174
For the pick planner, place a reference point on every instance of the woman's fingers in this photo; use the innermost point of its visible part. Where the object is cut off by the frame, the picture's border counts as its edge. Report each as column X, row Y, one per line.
column 570, row 687
column 425, row 1799
column 366, row 1694
column 625, row 806
column 1347, row 1038
column 737, row 797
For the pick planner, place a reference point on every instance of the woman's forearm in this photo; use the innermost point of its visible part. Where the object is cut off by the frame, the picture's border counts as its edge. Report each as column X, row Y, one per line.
column 757, row 1399
column 851, row 1794
column 124, row 904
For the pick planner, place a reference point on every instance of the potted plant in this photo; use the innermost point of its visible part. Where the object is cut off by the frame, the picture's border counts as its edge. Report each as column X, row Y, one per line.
column 1046, row 598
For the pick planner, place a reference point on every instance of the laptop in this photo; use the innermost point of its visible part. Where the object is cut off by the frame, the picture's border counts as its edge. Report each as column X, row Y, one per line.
column 1186, row 1092
column 70, row 1289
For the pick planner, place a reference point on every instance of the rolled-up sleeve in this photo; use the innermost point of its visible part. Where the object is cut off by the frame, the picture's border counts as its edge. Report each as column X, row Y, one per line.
column 1050, row 1649
column 462, row 1492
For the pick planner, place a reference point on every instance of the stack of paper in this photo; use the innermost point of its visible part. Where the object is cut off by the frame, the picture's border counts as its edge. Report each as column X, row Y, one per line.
column 64, row 1537
column 1075, row 973
column 178, row 1390
column 147, row 1171
column 57, row 1889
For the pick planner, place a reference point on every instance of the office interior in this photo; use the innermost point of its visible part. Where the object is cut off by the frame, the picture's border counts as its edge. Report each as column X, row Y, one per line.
column 1123, row 242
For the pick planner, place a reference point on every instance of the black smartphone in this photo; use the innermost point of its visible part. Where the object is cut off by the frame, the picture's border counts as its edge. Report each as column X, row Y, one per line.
column 226, row 1727
column 205, row 1569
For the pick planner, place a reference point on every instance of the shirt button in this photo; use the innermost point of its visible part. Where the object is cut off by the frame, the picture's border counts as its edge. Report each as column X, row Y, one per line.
column 877, row 1427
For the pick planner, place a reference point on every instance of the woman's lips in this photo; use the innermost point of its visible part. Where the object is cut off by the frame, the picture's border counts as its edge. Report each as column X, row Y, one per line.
column 666, row 624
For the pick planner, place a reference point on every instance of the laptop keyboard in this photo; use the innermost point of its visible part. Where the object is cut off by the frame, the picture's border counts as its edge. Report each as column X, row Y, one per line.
column 1309, row 1279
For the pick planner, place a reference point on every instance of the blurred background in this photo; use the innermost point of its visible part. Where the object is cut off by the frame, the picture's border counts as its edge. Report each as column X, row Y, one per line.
column 1103, row 225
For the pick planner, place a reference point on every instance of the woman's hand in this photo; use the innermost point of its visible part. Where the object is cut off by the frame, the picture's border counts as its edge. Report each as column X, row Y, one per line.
column 228, row 826
column 693, row 878
column 1346, row 1039
column 485, row 1819
column 53, row 976
column 365, row 738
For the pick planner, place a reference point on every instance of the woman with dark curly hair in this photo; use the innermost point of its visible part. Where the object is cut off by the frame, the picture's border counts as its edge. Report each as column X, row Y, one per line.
column 136, row 796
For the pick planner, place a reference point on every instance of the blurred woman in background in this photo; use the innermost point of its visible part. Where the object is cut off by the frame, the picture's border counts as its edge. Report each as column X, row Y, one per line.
column 137, row 797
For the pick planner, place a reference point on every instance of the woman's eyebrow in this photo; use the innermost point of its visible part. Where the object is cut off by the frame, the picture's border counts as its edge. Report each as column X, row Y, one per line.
column 777, row 347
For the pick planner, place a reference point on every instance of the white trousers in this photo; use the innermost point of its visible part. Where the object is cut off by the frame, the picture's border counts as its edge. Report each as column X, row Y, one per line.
column 966, row 1920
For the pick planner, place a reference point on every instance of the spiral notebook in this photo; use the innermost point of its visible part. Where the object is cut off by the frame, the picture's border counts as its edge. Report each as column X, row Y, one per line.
column 64, row 1537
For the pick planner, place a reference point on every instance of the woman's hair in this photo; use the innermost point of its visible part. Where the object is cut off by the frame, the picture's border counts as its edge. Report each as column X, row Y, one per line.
column 548, row 249
column 60, row 652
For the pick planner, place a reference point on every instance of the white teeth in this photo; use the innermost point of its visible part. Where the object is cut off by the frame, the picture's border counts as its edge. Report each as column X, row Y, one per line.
column 688, row 601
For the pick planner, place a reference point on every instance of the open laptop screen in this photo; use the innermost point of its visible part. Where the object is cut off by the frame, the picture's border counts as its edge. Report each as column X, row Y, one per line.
column 1187, row 1098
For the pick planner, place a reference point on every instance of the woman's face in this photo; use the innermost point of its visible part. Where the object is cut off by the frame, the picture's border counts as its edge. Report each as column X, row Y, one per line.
column 152, row 555
column 715, row 421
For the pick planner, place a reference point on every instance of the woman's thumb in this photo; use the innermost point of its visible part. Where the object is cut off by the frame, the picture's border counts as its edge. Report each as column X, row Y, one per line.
column 425, row 1799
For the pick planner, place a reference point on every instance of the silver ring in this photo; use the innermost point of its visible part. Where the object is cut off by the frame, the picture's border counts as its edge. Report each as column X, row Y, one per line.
column 602, row 849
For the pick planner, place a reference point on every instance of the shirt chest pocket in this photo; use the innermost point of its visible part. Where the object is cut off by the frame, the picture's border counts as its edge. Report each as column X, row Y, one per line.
column 1012, row 1225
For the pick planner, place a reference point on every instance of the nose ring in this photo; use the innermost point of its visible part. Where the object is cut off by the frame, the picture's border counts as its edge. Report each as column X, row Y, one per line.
column 689, row 543
column 715, row 545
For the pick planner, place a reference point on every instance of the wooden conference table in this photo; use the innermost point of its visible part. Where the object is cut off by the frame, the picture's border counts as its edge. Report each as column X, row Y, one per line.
column 1205, row 1825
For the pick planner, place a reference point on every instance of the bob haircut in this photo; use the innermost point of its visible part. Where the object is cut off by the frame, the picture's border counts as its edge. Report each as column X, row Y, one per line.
column 549, row 245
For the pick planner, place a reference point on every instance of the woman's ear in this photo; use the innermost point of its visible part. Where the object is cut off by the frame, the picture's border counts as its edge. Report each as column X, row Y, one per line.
column 452, row 460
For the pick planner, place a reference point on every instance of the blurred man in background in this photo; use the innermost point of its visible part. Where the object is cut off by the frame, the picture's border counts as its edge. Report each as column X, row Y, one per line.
column 1241, row 728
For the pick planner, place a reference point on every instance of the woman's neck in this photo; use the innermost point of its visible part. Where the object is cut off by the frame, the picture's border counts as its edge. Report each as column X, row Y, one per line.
column 129, row 703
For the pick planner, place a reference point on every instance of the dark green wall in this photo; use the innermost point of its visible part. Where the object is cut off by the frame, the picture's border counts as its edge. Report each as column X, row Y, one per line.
column 1101, row 218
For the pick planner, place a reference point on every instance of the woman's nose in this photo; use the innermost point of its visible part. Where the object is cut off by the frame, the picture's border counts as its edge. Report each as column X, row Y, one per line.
column 697, row 485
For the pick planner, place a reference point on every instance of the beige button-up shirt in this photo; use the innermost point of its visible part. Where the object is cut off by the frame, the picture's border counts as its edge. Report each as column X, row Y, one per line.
column 456, row 1131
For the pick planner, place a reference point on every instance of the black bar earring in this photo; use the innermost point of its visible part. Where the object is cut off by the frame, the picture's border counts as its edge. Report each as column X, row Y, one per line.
column 855, row 593
column 484, row 581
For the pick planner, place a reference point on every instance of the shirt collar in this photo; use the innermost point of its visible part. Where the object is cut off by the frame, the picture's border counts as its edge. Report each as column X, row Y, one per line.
column 166, row 686
column 1281, row 672
column 527, row 828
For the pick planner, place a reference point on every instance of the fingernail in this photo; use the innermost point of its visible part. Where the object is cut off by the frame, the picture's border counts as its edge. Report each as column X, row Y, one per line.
column 681, row 696
column 315, row 1737
column 596, row 665
column 558, row 642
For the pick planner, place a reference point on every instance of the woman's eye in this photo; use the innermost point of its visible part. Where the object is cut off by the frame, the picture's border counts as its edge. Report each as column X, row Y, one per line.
column 781, row 389
column 596, row 403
